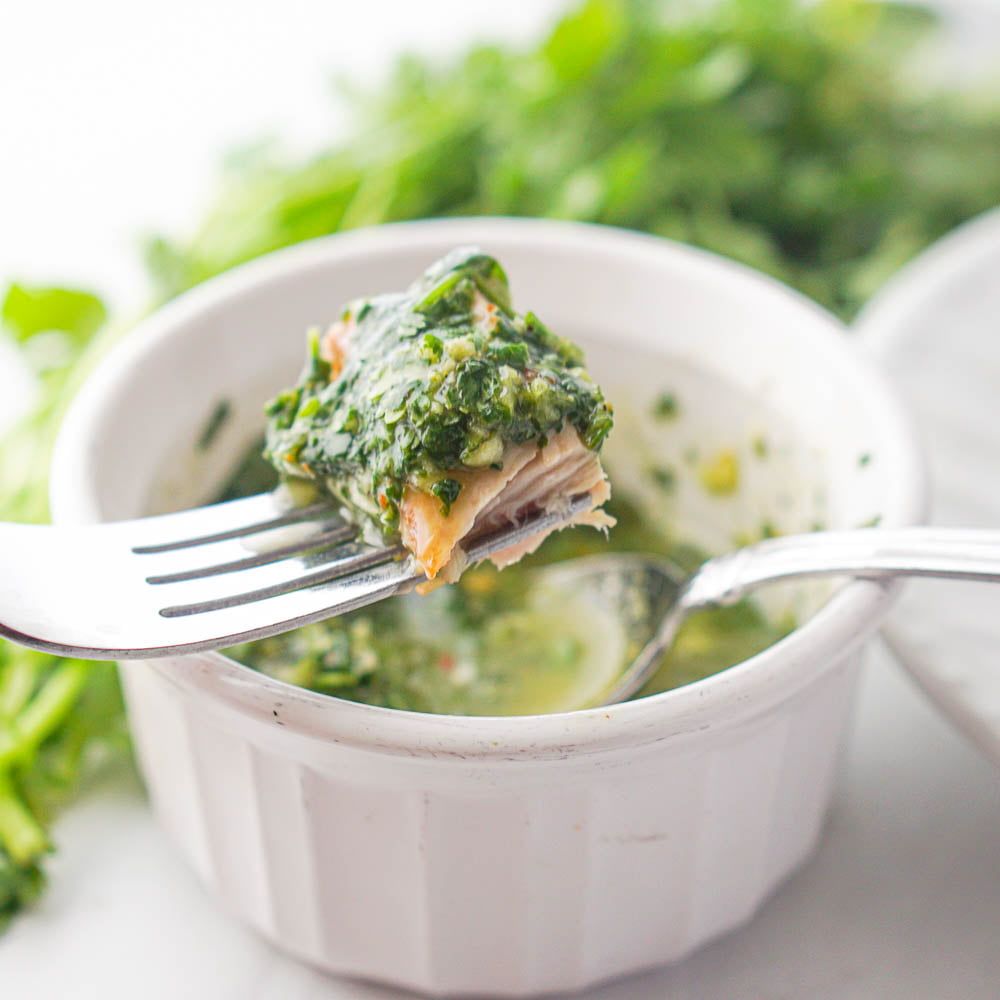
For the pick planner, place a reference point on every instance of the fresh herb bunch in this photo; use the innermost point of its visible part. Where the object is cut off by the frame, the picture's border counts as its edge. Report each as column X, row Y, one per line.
column 59, row 718
column 429, row 387
column 790, row 137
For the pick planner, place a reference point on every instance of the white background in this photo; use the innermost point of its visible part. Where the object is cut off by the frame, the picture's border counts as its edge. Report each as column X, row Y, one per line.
column 115, row 114
column 113, row 118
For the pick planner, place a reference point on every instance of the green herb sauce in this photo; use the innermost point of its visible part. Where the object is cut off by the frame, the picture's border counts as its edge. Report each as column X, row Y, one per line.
column 438, row 378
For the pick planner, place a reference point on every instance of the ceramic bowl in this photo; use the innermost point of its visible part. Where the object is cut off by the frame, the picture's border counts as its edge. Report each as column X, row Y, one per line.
column 510, row 856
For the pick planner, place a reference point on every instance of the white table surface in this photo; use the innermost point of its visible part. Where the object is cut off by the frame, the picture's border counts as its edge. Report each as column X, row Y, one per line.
column 902, row 899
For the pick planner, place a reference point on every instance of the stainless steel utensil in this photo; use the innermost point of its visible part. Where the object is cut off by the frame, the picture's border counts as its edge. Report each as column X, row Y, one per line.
column 654, row 597
column 202, row 579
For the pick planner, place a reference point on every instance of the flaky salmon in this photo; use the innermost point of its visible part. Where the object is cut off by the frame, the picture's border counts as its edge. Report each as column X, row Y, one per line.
column 440, row 415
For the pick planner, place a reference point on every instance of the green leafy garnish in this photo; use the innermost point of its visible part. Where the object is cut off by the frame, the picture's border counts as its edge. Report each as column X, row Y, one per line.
column 28, row 310
column 432, row 387
column 58, row 718
column 447, row 490
column 785, row 135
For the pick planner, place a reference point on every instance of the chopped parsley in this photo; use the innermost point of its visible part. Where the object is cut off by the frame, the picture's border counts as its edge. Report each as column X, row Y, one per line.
column 217, row 419
column 664, row 477
column 438, row 378
column 446, row 490
column 665, row 406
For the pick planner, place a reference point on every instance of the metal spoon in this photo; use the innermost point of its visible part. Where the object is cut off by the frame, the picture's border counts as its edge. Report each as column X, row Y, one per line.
column 652, row 597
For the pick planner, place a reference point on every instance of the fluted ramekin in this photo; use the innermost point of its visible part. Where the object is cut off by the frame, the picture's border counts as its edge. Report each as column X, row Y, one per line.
column 504, row 856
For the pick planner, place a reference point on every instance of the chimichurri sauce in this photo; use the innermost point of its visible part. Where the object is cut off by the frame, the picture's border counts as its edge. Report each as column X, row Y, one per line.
column 491, row 645
column 439, row 378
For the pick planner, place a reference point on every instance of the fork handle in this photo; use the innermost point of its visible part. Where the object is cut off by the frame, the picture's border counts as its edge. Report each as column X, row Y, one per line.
column 868, row 553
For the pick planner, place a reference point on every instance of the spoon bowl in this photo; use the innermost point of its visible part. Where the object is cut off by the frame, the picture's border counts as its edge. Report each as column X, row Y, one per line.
column 650, row 597
column 642, row 593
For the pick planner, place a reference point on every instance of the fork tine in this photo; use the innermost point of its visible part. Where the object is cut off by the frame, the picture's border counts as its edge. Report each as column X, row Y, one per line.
column 337, row 568
column 228, row 626
column 202, row 560
column 206, row 536
column 280, row 575
column 324, row 538
column 159, row 529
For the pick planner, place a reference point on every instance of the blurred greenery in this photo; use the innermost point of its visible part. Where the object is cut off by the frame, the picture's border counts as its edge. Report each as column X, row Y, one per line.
column 60, row 719
column 791, row 138
column 794, row 138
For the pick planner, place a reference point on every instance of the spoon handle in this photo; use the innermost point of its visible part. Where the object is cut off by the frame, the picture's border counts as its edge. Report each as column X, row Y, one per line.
column 870, row 553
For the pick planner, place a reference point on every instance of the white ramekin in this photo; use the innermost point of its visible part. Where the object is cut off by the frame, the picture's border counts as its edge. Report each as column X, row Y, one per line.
column 505, row 856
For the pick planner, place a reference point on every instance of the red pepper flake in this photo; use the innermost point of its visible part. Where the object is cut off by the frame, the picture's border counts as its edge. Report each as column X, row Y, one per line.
column 383, row 501
column 446, row 662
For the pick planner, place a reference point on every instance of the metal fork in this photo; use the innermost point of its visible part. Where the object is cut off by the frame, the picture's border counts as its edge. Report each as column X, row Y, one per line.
column 204, row 578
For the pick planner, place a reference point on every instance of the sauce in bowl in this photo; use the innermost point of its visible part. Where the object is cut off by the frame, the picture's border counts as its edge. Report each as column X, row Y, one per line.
column 494, row 643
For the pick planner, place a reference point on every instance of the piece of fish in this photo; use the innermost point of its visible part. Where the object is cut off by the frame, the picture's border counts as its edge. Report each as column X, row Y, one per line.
column 532, row 479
